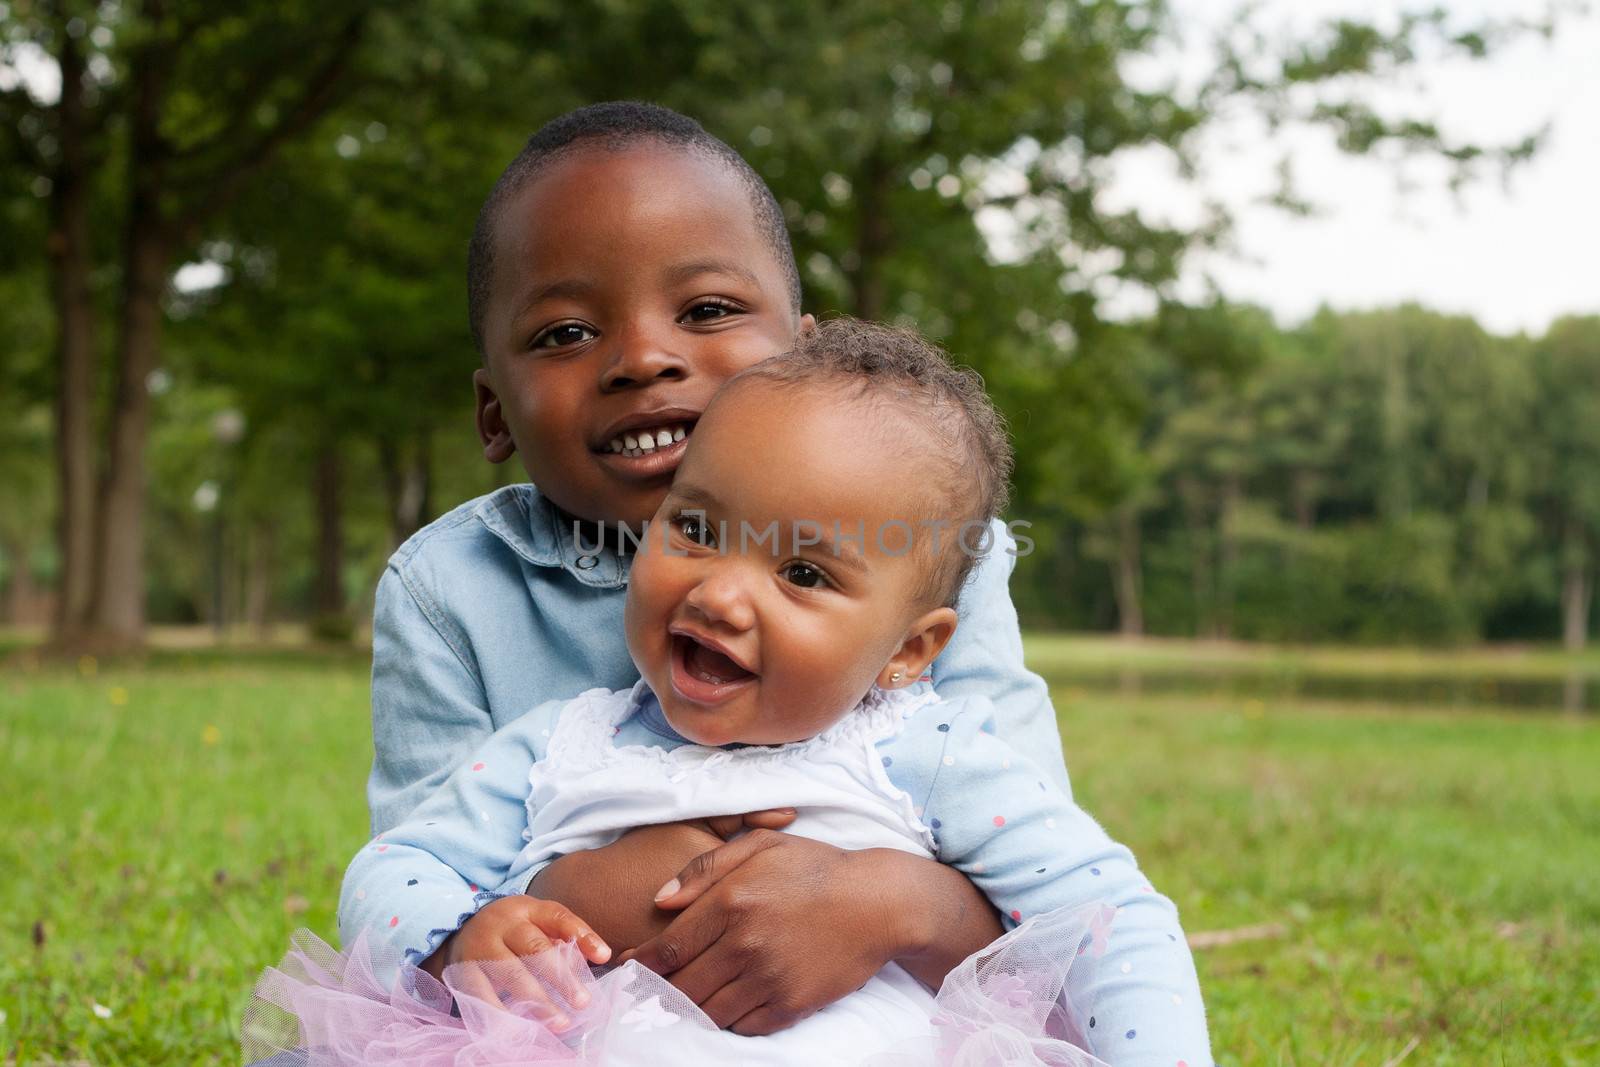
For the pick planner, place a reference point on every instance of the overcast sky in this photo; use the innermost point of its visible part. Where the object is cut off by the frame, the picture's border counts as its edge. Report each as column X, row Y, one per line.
column 1516, row 255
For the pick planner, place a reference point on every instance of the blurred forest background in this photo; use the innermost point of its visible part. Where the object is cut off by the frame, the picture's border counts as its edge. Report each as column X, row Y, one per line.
column 234, row 360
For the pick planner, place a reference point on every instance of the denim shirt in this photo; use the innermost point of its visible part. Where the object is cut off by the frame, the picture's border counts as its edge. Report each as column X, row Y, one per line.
column 494, row 609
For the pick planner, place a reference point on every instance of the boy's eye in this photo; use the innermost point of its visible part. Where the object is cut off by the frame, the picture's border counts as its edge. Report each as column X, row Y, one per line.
column 709, row 311
column 696, row 529
column 804, row 575
column 563, row 334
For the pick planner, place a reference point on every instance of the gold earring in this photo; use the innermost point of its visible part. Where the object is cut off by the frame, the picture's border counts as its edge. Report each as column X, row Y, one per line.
column 895, row 677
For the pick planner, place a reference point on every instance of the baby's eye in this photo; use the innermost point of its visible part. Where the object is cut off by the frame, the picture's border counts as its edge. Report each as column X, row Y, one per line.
column 562, row 334
column 709, row 311
column 804, row 575
column 696, row 529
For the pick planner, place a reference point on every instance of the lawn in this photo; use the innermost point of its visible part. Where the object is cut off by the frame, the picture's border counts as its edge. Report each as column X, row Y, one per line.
column 1430, row 882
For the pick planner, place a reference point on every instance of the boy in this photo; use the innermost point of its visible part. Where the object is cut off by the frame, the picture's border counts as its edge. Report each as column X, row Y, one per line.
column 625, row 265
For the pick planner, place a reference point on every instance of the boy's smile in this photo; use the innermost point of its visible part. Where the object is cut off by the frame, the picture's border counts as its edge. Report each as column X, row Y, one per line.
column 628, row 285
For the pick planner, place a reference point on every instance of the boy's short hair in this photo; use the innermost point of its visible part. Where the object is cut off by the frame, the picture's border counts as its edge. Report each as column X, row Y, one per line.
column 615, row 125
column 968, row 446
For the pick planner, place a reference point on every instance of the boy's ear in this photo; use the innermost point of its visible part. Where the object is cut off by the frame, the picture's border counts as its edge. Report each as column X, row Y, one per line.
column 808, row 322
column 498, row 445
column 924, row 641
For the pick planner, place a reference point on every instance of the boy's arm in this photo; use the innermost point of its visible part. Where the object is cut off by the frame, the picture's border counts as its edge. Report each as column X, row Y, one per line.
column 428, row 704
column 998, row 819
column 984, row 659
column 412, row 886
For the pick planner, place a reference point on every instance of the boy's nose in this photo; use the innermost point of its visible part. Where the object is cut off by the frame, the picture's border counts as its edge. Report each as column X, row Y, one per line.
column 721, row 599
column 640, row 358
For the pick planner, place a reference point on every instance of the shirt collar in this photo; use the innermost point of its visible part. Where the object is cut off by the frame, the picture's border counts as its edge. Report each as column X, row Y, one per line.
column 542, row 534
column 642, row 703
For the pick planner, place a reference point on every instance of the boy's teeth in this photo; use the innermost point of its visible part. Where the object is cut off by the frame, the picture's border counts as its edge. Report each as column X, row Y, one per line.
column 642, row 444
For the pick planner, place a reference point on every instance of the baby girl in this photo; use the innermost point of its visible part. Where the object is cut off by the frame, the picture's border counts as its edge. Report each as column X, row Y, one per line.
column 789, row 594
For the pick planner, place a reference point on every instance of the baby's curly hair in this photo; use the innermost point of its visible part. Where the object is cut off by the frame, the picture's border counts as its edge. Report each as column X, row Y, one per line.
column 967, row 444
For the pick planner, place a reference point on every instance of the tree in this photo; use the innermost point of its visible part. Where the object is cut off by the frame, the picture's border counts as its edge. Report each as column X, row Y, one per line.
column 1567, row 367
column 166, row 110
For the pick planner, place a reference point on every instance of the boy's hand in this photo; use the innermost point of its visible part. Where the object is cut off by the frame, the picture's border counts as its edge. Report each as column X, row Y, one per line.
column 500, row 934
column 612, row 886
column 775, row 927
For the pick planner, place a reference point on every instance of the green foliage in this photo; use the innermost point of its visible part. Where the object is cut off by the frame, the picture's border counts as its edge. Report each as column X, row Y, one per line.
column 941, row 167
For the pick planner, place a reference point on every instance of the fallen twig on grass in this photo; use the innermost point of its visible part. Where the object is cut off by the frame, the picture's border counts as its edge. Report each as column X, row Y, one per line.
column 1411, row 1046
column 1218, row 938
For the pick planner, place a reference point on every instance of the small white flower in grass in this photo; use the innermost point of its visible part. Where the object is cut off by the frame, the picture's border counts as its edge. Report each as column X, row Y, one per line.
column 100, row 1010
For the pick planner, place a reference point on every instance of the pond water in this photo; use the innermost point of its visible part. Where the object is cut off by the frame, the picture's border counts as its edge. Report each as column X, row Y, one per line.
column 1576, row 692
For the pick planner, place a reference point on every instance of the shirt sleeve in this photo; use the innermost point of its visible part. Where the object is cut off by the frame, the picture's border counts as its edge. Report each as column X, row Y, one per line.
column 998, row 818
column 429, row 708
column 984, row 659
column 413, row 885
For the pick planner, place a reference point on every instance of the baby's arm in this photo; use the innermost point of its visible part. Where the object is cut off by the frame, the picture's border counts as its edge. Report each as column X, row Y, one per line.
column 412, row 886
column 984, row 659
column 997, row 818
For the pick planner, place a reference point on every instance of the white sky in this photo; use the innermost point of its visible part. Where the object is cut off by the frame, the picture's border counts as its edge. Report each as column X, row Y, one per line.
column 1516, row 255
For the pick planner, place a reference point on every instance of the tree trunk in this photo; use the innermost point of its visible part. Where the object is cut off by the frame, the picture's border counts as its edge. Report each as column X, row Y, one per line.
column 328, row 593
column 1577, row 589
column 1305, row 499
column 873, row 239
column 407, row 486
column 1129, row 612
column 1227, row 553
column 1192, row 494
column 21, row 593
column 117, row 618
column 258, row 578
column 69, row 254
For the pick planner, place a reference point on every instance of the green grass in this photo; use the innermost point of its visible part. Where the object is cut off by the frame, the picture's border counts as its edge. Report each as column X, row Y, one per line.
column 1437, row 877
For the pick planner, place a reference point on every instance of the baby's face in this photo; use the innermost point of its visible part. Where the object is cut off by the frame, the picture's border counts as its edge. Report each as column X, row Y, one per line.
column 627, row 287
column 771, row 642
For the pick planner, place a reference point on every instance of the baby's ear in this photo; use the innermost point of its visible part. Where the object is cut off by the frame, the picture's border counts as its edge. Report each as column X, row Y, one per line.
column 925, row 639
column 498, row 444
column 808, row 322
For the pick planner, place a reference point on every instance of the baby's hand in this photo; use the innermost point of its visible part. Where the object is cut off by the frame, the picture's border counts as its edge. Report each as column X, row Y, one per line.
column 498, row 936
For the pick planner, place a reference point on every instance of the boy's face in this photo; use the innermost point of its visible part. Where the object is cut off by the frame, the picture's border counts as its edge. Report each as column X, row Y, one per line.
column 750, row 616
column 627, row 286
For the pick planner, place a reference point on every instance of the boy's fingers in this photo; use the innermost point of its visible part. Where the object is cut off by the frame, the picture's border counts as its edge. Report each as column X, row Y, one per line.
column 733, row 1001
column 711, row 866
column 771, row 819
column 688, row 935
column 726, row 826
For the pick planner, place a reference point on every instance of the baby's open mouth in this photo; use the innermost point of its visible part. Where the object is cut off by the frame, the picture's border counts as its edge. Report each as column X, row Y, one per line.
column 706, row 664
column 706, row 676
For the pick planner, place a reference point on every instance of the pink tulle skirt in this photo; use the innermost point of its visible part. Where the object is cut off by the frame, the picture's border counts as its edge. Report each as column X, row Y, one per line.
column 1016, row 1002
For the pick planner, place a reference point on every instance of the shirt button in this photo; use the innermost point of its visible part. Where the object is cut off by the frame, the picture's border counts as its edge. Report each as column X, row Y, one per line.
column 588, row 563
